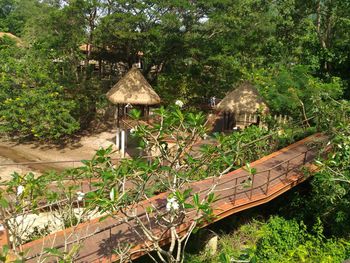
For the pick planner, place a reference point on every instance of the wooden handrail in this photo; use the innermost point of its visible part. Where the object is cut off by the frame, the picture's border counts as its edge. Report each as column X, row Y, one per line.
column 231, row 194
column 250, row 190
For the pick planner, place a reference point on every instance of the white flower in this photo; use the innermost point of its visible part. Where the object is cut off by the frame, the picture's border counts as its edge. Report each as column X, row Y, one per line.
column 164, row 146
column 20, row 190
column 172, row 204
column 205, row 136
column 172, row 200
column 2, row 228
column 179, row 103
column 80, row 196
column 168, row 206
column 182, row 28
column 112, row 194
column 133, row 130
column 175, row 205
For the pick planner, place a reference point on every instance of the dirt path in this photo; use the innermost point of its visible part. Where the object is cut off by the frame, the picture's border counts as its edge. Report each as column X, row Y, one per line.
column 68, row 156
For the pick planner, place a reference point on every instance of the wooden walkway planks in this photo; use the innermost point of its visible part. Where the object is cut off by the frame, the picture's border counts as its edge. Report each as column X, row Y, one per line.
column 102, row 237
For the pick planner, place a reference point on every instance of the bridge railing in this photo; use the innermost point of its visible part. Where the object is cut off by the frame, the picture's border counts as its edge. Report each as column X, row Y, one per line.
column 291, row 164
column 238, row 182
column 80, row 182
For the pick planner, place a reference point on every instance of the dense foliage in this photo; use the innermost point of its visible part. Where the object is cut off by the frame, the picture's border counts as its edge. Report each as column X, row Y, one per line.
column 32, row 103
column 277, row 240
column 292, row 50
column 53, row 80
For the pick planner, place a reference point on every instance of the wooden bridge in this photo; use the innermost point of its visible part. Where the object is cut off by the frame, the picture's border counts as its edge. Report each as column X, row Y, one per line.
column 276, row 174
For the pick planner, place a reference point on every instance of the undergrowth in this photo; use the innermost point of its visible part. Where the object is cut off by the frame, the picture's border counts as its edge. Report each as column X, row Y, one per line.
column 276, row 240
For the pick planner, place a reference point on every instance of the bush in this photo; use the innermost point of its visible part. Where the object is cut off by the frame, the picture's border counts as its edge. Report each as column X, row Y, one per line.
column 32, row 104
column 277, row 240
column 38, row 112
column 288, row 241
column 279, row 235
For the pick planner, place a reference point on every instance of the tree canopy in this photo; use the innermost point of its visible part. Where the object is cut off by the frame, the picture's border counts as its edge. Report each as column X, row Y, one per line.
column 189, row 50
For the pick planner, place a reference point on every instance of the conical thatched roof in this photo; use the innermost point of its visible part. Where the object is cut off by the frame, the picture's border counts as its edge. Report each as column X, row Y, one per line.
column 133, row 88
column 244, row 99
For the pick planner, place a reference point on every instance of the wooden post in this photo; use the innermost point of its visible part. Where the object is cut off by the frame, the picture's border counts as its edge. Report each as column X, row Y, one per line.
column 245, row 120
column 123, row 146
column 236, row 185
column 223, row 122
column 304, row 162
column 229, row 119
column 118, row 124
column 117, row 139
column 147, row 113
column 268, row 181
column 287, row 169
column 251, row 189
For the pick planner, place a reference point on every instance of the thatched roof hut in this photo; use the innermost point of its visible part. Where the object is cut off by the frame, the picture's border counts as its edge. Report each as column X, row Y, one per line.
column 133, row 88
column 244, row 99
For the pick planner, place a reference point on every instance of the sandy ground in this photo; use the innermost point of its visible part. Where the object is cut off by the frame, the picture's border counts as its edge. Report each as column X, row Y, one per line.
column 82, row 149
column 17, row 157
column 6, row 171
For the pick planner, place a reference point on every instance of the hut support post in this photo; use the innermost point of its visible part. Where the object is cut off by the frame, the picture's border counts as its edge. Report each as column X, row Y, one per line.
column 147, row 113
column 224, row 122
column 117, row 135
column 123, row 143
column 117, row 116
column 117, row 139
column 229, row 121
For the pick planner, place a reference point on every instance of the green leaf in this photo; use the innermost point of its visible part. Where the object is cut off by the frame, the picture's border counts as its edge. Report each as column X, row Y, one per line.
column 196, row 200
column 188, row 206
column 135, row 114
column 211, row 197
column 53, row 252
column 4, row 203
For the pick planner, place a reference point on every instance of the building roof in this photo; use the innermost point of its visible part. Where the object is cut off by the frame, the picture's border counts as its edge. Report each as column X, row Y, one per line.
column 87, row 47
column 133, row 88
column 244, row 99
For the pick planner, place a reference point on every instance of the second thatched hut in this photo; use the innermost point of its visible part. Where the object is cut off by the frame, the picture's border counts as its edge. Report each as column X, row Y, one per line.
column 242, row 107
column 131, row 91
